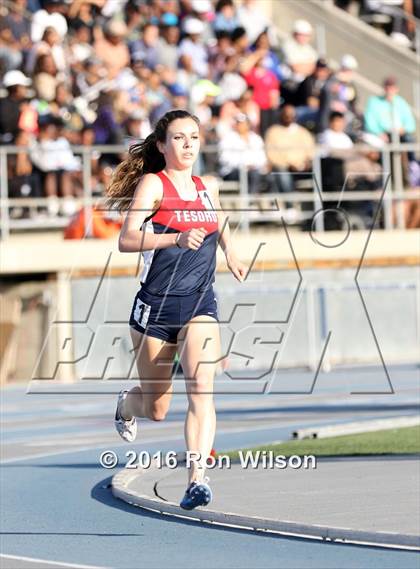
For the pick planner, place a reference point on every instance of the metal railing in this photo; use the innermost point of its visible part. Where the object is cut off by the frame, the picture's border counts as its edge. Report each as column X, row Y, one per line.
column 257, row 207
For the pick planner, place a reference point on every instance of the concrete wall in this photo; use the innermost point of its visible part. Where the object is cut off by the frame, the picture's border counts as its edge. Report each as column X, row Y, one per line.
column 43, row 253
column 70, row 316
column 267, row 322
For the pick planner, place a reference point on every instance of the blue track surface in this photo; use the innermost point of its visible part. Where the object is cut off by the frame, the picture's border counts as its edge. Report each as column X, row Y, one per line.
column 59, row 506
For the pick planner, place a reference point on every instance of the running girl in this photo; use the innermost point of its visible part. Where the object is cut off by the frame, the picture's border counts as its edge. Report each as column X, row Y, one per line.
column 175, row 220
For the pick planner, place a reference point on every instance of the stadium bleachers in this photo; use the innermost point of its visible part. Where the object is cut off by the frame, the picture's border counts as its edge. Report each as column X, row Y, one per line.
column 93, row 74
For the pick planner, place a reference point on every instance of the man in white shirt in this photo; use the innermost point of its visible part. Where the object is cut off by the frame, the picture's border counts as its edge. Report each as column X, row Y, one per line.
column 242, row 148
column 193, row 46
column 334, row 137
column 298, row 53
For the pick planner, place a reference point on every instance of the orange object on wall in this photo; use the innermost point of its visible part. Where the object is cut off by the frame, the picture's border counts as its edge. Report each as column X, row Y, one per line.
column 101, row 226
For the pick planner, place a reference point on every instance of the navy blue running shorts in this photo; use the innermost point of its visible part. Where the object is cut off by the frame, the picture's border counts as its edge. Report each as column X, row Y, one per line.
column 164, row 316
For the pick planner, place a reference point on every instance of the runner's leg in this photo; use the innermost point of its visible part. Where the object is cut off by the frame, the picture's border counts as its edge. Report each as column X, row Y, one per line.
column 200, row 350
column 154, row 360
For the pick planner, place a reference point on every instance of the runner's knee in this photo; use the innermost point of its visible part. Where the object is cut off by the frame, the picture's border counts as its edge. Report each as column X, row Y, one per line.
column 202, row 383
column 156, row 411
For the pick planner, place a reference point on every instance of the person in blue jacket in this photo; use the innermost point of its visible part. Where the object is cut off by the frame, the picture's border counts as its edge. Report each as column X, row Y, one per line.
column 390, row 112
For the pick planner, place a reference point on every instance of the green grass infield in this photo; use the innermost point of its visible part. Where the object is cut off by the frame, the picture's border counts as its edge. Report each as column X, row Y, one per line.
column 404, row 440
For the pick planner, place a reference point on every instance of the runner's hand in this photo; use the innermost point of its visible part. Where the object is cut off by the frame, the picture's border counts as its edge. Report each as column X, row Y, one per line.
column 237, row 268
column 192, row 239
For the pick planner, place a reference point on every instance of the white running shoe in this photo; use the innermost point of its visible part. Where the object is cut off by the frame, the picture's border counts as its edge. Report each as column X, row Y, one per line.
column 126, row 429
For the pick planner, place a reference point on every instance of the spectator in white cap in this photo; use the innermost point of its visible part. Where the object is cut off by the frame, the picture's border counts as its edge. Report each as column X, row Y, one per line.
column 203, row 10
column 112, row 49
column 193, row 46
column 15, row 78
column 348, row 62
column 16, row 84
column 298, row 53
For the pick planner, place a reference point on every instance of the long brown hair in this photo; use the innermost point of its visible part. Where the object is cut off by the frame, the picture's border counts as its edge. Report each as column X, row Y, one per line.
column 143, row 158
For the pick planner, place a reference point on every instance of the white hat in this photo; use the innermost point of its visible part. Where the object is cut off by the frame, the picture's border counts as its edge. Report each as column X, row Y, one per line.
column 193, row 26
column 302, row 27
column 348, row 61
column 15, row 77
column 201, row 6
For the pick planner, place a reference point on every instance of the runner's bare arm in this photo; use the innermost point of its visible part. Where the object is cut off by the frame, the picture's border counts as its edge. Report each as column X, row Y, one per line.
column 238, row 269
column 146, row 200
column 225, row 241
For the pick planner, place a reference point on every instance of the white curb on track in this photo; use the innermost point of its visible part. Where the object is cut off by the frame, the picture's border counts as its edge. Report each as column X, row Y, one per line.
column 356, row 427
column 121, row 489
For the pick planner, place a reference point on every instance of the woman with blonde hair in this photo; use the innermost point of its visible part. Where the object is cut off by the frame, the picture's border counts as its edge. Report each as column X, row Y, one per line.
column 176, row 221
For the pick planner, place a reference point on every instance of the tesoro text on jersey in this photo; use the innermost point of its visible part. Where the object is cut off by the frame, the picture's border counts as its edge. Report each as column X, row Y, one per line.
column 198, row 215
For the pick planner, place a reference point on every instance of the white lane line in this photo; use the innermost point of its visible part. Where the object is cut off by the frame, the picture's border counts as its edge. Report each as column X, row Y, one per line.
column 64, row 443
column 148, row 441
column 83, row 449
column 46, row 562
column 94, row 445
column 44, row 428
column 40, row 437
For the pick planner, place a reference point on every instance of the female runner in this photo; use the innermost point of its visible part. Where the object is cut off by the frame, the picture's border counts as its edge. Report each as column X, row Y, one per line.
column 181, row 224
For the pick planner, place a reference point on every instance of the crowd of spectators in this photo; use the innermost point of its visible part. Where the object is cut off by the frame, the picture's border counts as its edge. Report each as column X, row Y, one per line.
column 101, row 72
